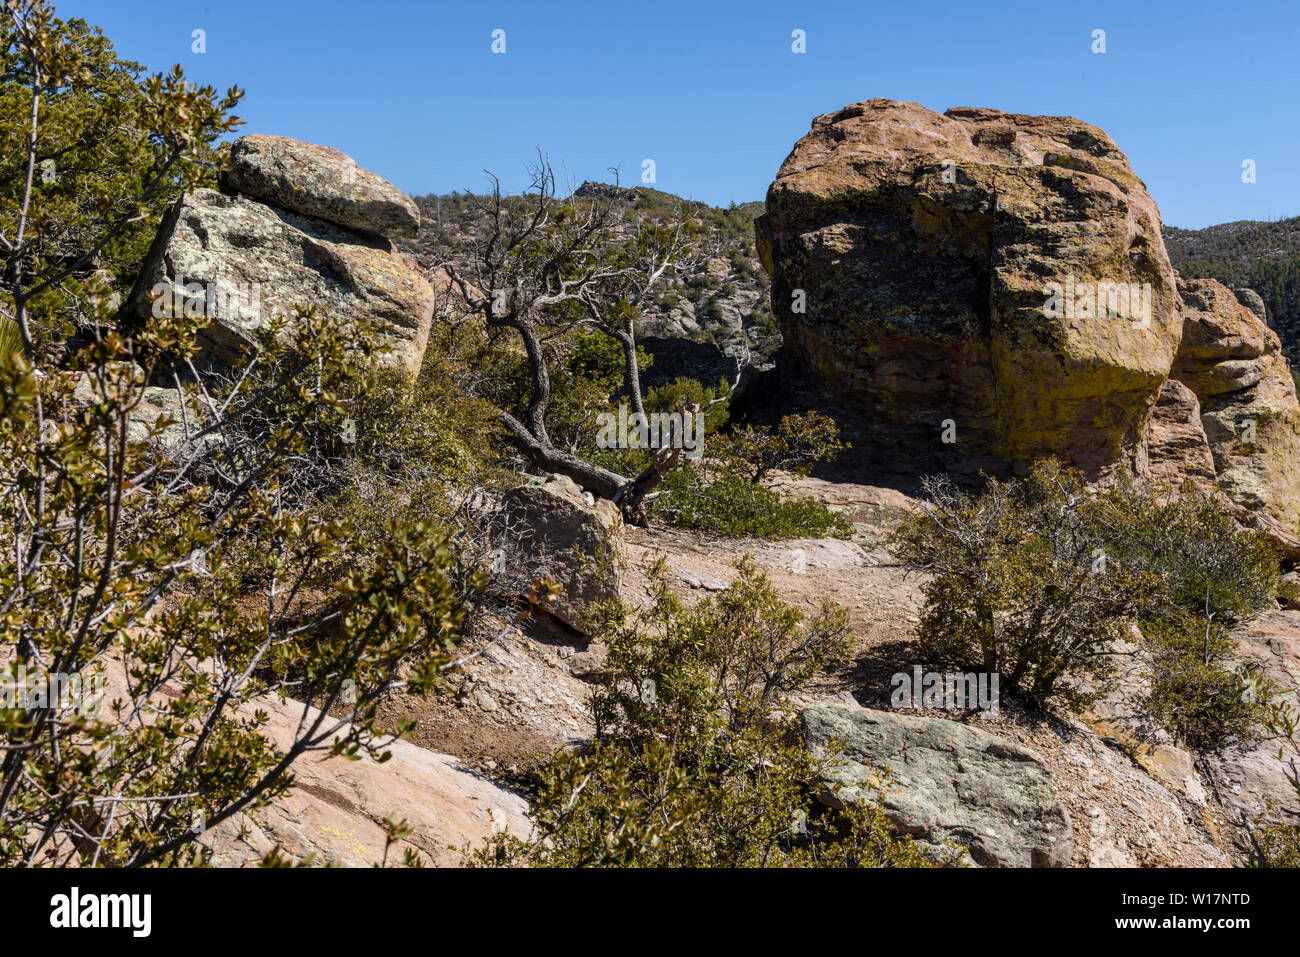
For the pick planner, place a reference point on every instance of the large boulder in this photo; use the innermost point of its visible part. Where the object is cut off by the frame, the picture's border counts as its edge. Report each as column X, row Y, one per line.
column 947, row 268
column 241, row 262
column 320, row 182
column 1249, row 411
column 552, row 529
column 947, row 782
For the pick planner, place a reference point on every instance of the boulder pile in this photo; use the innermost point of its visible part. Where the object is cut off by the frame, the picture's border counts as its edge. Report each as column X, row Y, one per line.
column 294, row 225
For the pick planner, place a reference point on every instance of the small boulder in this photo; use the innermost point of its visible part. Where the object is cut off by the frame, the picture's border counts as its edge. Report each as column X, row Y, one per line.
column 948, row 782
column 552, row 529
column 1252, row 301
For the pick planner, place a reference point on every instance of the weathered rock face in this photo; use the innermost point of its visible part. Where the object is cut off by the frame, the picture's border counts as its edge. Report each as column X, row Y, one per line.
column 925, row 247
column 240, row 261
column 949, row 782
column 1225, row 347
column 1177, row 449
column 1252, row 301
column 1247, row 777
column 1249, row 413
column 334, row 813
column 320, row 182
column 554, row 530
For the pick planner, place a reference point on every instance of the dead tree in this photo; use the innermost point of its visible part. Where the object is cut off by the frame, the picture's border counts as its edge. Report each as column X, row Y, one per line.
column 542, row 266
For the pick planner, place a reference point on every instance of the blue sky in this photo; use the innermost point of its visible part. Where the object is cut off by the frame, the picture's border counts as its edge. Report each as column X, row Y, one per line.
column 713, row 94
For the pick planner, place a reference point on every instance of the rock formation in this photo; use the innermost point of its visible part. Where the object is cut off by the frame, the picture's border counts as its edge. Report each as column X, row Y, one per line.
column 320, row 182
column 553, row 530
column 1000, row 271
column 335, row 811
column 977, row 290
column 948, row 782
column 295, row 225
column 1248, row 407
column 1176, row 446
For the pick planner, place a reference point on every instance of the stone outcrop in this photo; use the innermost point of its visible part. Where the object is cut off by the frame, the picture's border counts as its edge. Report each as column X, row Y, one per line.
column 320, row 182
column 947, row 783
column 1249, row 413
column 976, row 290
column 334, row 813
column 554, row 530
column 298, row 225
column 930, row 267
column 1177, row 449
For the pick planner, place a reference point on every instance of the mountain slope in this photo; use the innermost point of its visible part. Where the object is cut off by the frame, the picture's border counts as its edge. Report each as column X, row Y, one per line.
column 1261, row 255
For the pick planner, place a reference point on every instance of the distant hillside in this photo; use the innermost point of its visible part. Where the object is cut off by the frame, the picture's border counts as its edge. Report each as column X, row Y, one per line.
column 1263, row 256
column 715, row 304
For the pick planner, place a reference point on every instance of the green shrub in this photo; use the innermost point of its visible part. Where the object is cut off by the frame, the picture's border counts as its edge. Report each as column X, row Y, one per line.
column 1213, row 575
column 144, row 558
column 798, row 443
column 725, row 497
column 1016, row 583
column 693, row 764
column 687, row 392
column 728, row 503
column 1039, row 579
column 114, row 148
column 1276, row 843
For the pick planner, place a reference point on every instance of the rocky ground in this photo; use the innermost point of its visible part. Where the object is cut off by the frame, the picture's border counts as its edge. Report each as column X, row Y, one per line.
column 1131, row 801
column 932, row 314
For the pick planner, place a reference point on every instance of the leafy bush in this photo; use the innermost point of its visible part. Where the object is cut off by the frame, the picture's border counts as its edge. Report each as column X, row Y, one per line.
column 120, row 552
column 693, row 763
column 687, row 392
column 798, row 443
column 1016, row 583
column 1039, row 579
column 1213, row 575
column 727, row 503
column 725, row 496
column 106, row 153
column 1277, row 843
